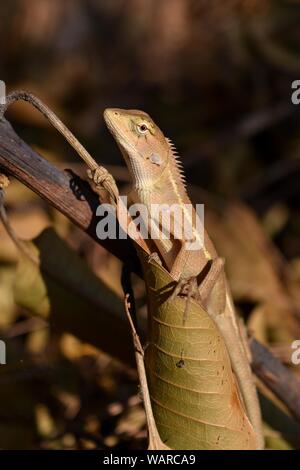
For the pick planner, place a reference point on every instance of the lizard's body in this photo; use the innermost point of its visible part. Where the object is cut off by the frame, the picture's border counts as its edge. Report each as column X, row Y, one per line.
column 158, row 179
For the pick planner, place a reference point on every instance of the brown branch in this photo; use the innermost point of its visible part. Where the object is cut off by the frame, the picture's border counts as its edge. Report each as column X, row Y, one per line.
column 107, row 181
column 64, row 190
column 278, row 378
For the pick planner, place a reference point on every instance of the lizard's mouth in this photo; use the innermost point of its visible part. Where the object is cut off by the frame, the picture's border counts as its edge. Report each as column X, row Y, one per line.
column 120, row 137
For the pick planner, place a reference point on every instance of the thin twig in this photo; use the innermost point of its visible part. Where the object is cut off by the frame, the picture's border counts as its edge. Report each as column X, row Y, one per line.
column 108, row 181
column 4, row 219
column 155, row 442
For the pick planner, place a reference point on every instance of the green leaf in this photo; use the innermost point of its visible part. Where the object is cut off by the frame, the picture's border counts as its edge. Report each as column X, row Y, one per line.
column 193, row 391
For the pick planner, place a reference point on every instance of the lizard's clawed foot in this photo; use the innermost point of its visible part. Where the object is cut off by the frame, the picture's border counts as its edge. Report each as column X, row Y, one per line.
column 184, row 286
column 199, row 289
column 187, row 287
column 102, row 178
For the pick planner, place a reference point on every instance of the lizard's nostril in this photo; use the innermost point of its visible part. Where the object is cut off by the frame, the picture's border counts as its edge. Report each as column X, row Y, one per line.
column 116, row 113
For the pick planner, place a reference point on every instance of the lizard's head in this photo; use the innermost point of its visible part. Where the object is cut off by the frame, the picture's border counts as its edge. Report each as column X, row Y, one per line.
column 141, row 142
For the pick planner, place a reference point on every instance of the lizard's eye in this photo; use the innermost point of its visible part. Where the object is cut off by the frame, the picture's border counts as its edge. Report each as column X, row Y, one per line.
column 142, row 128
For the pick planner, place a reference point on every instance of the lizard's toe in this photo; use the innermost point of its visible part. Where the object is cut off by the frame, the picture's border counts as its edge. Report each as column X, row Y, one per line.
column 187, row 287
column 180, row 288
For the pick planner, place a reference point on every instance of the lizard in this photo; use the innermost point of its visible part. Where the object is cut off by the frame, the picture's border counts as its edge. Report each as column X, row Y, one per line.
column 158, row 178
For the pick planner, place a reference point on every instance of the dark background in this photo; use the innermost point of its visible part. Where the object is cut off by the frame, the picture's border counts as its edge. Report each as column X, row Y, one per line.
column 216, row 76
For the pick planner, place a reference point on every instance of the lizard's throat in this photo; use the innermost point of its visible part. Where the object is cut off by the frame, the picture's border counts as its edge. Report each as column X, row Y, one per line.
column 144, row 180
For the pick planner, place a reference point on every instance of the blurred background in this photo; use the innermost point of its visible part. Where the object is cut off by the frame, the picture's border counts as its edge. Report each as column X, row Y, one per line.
column 216, row 77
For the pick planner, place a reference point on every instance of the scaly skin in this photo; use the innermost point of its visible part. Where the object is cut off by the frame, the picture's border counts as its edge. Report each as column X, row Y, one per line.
column 158, row 179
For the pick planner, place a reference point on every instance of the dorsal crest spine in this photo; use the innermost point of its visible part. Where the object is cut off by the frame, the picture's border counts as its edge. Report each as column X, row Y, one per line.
column 175, row 161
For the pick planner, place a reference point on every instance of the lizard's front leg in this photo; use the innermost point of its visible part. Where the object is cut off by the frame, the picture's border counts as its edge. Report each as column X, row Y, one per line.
column 190, row 288
column 209, row 281
column 205, row 286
